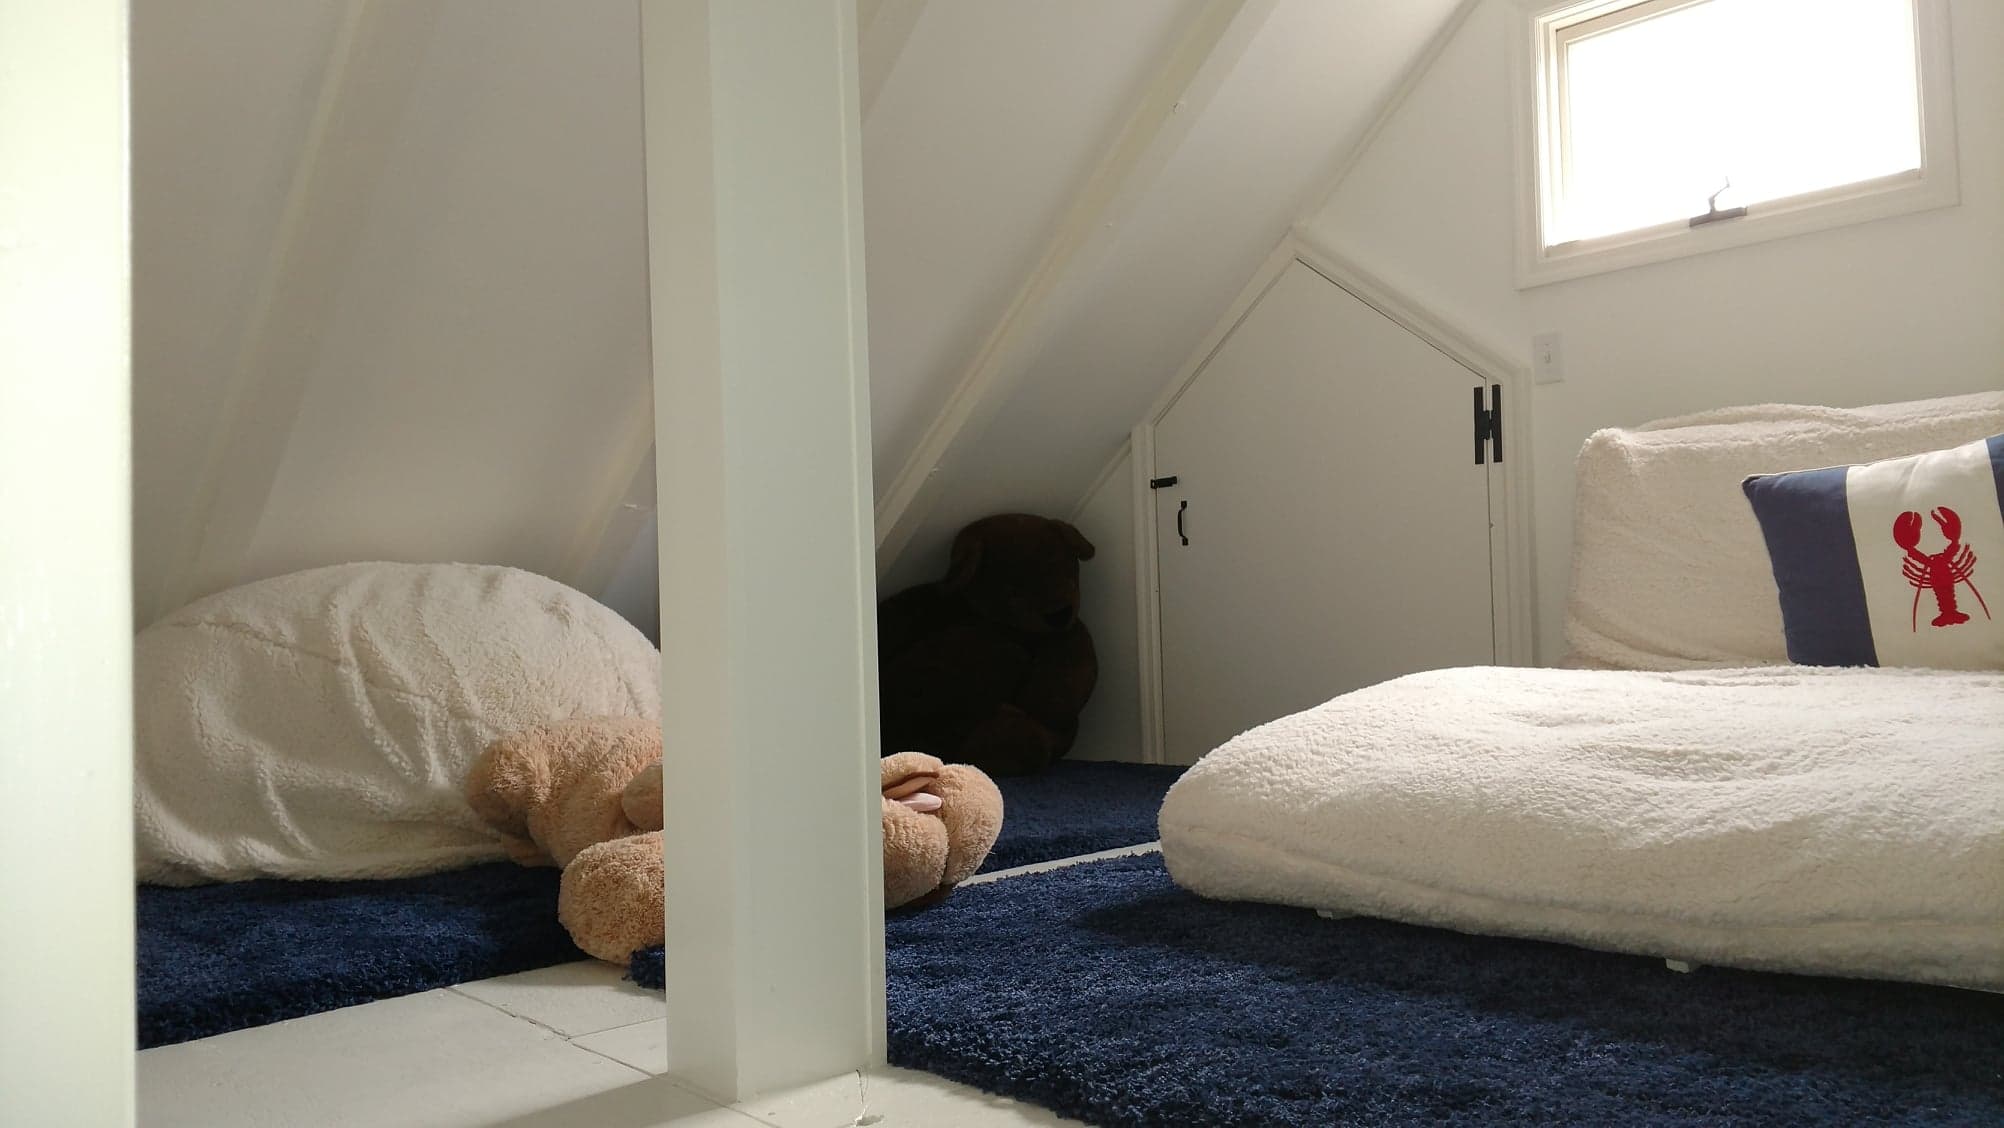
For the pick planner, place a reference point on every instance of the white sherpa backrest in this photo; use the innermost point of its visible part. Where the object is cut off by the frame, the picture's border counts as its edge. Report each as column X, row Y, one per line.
column 1669, row 568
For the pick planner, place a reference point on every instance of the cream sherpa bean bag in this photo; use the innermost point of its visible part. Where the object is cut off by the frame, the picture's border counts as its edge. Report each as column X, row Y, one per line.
column 322, row 724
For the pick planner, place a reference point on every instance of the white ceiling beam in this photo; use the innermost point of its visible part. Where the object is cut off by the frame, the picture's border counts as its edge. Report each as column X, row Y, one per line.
column 66, row 954
column 611, row 524
column 372, row 64
column 1155, row 125
column 773, row 854
column 886, row 28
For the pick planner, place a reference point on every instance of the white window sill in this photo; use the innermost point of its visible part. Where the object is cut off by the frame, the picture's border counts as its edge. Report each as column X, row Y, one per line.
column 1903, row 194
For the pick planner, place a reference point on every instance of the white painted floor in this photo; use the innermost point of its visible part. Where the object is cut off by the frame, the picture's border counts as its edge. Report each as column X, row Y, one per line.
column 573, row 1046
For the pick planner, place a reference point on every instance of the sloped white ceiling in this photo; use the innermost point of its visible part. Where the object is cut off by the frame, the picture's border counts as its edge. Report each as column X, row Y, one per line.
column 487, row 357
column 990, row 122
column 222, row 96
column 390, row 293
column 401, row 314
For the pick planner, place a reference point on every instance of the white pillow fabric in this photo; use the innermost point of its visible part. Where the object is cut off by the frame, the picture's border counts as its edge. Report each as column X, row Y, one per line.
column 1669, row 567
column 321, row 724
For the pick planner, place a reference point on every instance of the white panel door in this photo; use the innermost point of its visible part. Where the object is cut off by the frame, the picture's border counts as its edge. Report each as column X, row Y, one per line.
column 1337, row 523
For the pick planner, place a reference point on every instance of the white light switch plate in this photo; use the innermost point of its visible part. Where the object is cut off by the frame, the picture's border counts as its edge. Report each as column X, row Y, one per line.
column 1547, row 362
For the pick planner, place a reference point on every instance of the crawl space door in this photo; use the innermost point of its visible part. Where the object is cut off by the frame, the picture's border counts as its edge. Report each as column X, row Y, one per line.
column 1329, row 523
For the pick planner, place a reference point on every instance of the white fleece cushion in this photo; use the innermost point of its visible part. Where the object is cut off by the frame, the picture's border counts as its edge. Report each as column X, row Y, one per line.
column 1840, row 821
column 1669, row 567
column 321, row 724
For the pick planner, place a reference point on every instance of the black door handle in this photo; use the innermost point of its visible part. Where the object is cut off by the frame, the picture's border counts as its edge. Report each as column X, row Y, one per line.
column 1180, row 507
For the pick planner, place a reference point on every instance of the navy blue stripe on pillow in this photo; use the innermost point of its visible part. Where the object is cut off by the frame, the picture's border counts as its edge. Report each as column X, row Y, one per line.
column 1996, row 444
column 1806, row 518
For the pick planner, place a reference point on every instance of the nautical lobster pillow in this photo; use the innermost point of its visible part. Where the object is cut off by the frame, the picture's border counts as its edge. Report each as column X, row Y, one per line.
column 1893, row 563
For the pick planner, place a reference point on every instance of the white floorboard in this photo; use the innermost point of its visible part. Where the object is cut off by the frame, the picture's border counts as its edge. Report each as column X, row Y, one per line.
column 571, row 999
column 901, row 1097
column 643, row 1045
column 432, row 1059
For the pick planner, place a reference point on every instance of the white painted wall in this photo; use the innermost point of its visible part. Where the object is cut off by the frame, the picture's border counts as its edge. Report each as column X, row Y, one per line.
column 635, row 588
column 1118, row 327
column 462, row 374
column 1894, row 309
column 1110, row 726
column 442, row 356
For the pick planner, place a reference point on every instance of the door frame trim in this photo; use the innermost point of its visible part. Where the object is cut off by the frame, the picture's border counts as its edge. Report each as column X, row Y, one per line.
column 1512, row 578
column 1147, row 592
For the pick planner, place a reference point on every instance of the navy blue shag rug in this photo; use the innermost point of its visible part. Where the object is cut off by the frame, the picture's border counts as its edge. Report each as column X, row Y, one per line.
column 217, row 958
column 1104, row 992
column 1078, row 807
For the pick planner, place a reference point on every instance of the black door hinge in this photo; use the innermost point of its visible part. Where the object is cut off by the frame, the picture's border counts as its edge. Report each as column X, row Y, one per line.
column 1489, row 424
column 1161, row 483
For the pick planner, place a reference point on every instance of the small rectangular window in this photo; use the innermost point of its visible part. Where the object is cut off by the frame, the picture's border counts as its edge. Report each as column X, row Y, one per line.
column 1670, row 127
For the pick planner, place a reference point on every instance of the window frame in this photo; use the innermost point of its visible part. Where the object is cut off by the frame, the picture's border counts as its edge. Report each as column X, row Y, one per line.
column 1541, row 138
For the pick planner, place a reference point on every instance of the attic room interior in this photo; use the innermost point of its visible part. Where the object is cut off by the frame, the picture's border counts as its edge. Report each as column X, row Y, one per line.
column 1383, row 562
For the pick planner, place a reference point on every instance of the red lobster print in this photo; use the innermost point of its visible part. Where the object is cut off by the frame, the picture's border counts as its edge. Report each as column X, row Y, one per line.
column 1939, row 571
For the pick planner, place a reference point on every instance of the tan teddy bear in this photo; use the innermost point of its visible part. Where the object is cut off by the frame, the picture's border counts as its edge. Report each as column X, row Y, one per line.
column 586, row 795
column 940, row 820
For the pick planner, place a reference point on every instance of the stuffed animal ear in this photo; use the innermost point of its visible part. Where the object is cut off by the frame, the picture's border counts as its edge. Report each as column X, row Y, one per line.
column 966, row 559
column 1076, row 540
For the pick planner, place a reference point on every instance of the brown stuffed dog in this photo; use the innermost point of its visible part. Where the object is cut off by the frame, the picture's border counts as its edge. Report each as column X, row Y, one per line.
column 586, row 795
column 991, row 665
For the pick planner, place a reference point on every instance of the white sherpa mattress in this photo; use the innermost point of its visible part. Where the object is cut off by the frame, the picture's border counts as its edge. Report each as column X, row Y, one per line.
column 1834, row 821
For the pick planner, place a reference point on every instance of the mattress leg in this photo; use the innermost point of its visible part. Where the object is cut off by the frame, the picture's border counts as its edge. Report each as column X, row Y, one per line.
column 1683, row 967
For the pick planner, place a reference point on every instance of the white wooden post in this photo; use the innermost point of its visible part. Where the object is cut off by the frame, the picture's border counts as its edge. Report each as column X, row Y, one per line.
column 774, row 890
column 66, row 974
